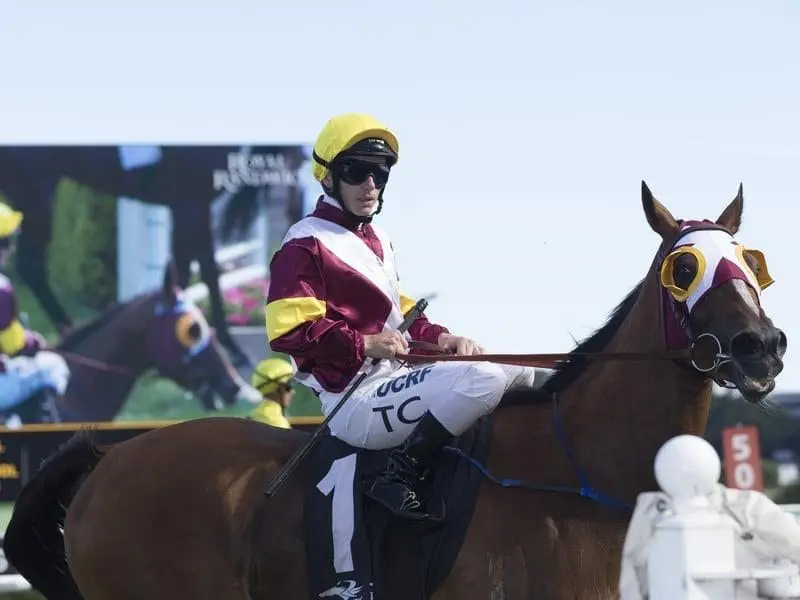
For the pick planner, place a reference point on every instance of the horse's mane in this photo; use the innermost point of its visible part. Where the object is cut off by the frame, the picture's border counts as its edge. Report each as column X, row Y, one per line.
column 83, row 331
column 565, row 374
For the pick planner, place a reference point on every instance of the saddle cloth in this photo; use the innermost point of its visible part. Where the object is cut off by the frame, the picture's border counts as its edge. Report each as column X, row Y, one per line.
column 357, row 550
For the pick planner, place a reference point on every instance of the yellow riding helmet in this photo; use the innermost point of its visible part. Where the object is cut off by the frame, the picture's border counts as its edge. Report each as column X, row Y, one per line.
column 270, row 373
column 10, row 220
column 344, row 131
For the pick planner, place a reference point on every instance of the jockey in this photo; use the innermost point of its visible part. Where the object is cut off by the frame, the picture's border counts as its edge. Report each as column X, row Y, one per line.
column 26, row 371
column 272, row 377
column 335, row 302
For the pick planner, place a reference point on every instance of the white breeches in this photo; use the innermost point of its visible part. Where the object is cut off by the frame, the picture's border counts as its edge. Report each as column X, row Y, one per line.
column 383, row 414
column 26, row 376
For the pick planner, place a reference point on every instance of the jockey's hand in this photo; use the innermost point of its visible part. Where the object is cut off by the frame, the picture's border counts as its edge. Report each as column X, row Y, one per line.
column 39, row 340
column 461, row 346
column 385, row 345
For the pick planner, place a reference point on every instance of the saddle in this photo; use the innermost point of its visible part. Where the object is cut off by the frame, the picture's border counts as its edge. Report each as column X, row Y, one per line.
column 357, row 550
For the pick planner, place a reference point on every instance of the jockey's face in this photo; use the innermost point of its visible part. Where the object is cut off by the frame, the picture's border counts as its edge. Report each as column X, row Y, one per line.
column 360, row 183
column 285, row 396
column 6, row 248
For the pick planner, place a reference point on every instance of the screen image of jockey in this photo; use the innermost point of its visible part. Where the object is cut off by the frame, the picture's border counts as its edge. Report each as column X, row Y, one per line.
column 31, row 378
column 335, row 302
column 273, row 378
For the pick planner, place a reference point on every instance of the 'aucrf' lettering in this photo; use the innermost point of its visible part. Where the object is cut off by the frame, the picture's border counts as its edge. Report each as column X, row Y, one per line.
column 403, row 382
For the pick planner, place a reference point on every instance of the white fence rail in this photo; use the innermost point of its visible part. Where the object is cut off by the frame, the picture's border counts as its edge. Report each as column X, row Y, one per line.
column 699, row 540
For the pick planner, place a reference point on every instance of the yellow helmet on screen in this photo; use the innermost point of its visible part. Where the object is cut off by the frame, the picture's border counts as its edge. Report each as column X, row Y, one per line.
column 270, row 373
column 10, row 220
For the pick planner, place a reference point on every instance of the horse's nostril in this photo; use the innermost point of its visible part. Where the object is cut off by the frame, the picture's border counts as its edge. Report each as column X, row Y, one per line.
column 748, row 345
column 779, row 343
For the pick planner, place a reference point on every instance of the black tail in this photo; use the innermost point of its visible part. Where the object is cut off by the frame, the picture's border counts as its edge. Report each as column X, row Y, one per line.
column 34, row 542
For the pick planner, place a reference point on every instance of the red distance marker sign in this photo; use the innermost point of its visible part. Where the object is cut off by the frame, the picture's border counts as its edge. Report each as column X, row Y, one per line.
column 742, row 454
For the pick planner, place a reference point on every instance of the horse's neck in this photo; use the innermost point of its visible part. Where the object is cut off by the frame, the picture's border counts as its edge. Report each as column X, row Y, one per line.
column 111, row 371
column 617, row 414
column 626, row 410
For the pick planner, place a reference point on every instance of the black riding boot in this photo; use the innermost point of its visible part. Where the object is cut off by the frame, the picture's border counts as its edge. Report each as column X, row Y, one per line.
column 39, row 408
column 48, row 406
column 408, row 464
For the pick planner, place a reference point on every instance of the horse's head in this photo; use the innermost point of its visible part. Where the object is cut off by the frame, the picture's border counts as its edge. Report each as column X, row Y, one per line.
column 712, row 288
column 182, row 348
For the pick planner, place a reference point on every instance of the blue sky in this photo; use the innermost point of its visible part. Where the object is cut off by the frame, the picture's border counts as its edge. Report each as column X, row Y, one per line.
column 525, row 127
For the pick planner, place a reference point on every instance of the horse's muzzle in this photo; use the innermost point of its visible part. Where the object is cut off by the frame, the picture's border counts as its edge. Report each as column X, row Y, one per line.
column 757, row 359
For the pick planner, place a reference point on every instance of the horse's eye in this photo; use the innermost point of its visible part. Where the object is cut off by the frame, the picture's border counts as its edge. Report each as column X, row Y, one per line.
column 753, row 263
column 189, row 329
column 685, row 271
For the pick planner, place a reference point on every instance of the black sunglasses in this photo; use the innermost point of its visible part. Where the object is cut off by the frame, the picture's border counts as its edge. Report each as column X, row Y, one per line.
column 355, row 172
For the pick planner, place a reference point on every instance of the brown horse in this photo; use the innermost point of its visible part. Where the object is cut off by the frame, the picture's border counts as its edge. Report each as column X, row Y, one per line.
column 160, row 330
column 180, row 512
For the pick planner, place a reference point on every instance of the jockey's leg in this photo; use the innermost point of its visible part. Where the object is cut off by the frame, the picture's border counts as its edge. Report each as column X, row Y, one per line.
column 416, row 412
column 43, row 376
column 15, row 382
column 54, row 371
column 519, row 377
column 54, row 380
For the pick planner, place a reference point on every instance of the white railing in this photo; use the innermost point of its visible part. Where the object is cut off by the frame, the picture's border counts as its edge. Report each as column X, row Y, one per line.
column 231, row 279
column 699, row 540
column 238, row 273
column 231, row 254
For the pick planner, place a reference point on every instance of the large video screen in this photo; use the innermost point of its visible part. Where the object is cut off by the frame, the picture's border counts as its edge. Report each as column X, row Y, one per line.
column 138, row 276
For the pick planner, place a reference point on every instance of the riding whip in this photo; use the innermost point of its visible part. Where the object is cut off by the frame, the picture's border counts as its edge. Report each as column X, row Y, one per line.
column 298, row 456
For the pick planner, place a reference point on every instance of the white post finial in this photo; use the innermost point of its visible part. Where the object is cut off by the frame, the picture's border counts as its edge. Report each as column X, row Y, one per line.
column 687, row 467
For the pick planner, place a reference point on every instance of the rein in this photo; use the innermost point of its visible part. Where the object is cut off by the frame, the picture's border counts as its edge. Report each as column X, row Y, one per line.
column 95, row 364
column 551, row 361
column 543, row 361
column 717, row 354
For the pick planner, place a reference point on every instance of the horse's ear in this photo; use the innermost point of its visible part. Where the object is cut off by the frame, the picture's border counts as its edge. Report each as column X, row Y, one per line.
column 169, row 289
column 660, row 219
column 731, row 217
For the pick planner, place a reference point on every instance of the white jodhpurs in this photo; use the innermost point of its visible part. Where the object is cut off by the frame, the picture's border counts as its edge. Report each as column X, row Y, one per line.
column 26, row 376
column 383, row 414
